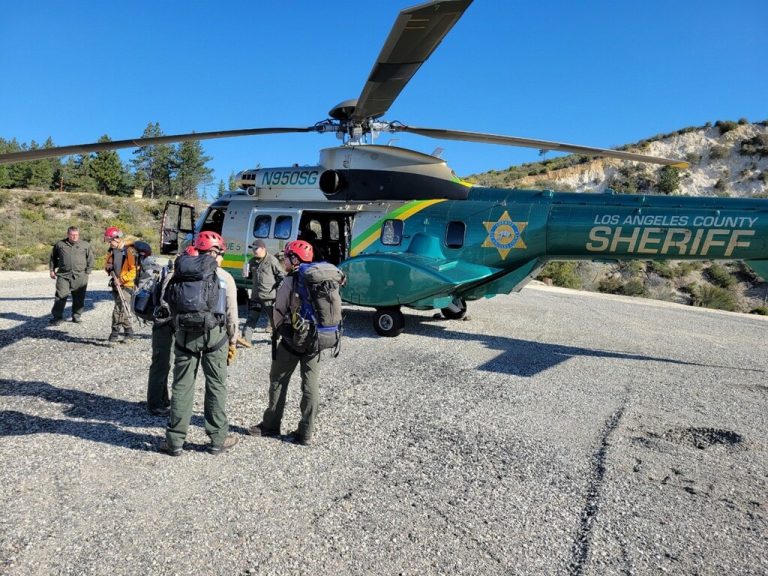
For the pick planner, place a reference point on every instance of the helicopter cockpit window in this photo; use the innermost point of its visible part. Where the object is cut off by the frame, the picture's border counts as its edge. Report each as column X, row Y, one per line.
column 283, row 227
column 261, row 226
column 392, row 232
column 454, row 234
column 214, row 221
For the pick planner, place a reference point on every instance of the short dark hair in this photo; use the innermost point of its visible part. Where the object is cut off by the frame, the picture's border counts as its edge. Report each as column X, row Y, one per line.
column 72, row 229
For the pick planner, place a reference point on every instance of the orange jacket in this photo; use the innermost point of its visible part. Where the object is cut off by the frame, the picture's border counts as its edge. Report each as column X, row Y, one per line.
column 127, row 275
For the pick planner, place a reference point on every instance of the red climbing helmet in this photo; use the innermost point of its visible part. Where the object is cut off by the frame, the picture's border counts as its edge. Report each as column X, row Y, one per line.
column 207, row 240
column 112, row 232
column 301, row 249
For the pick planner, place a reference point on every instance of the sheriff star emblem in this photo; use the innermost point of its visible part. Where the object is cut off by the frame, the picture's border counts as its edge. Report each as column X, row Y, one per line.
column 504, row 235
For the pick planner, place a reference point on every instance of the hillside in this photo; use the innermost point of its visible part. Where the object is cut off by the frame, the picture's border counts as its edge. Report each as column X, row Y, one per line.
column 727, row 159
column 31, row 222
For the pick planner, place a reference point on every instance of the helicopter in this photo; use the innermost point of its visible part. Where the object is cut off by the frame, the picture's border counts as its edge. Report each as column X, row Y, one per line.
column 409, row 233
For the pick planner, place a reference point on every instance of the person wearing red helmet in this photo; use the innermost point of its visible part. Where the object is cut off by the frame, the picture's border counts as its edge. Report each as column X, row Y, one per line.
column 202, row 345
column 285, row 359
column 122, row 268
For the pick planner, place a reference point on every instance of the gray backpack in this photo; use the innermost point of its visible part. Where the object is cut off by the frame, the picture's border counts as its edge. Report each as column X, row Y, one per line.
column 318, row 322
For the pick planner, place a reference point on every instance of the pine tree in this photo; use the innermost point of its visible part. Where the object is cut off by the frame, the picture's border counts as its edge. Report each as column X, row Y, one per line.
column 64, row 176
column 40, row 171
column 232, row 183
column 669, row 180
column 222, row 188
column 107, row 170
column 82, row 179
column 19, row 173
column 5, row 174
column 190, row 161
column 153, row 165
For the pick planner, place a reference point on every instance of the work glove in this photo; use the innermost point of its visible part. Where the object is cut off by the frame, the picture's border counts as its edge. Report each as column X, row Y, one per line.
column 231, row 353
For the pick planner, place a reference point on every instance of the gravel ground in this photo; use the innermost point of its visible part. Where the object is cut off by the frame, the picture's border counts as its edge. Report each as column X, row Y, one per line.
column 555, row 432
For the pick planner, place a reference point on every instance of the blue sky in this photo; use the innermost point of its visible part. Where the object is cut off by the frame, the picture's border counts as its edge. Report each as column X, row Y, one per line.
column 599, row 73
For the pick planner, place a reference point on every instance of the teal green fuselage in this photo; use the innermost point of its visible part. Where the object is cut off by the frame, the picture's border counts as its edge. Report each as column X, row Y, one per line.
column 509, row 234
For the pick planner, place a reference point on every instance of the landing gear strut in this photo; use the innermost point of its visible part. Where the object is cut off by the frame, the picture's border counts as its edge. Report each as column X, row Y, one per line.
column 388, row 322
column 456, row 311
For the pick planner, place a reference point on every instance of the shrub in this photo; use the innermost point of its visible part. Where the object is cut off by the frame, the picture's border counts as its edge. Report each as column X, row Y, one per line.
column 34, row 215
column 662, row 268
column 686, row 267
column 693, row 158
column 715, row 297
column 63, row 203
column 757, row 146
column 725, row 126
column 717, row 152
column 721, row 187
column 634, row 287
column 610, row 285
column 563, row 274
column 36, row 199
column 98, row 201
column 719, row 276
column 760, row 310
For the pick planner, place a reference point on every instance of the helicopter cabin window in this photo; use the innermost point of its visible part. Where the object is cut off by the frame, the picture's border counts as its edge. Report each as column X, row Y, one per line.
column 392, row 232
column 283, row 227
column 454, row 234
column 333, row 229
column 261, row 226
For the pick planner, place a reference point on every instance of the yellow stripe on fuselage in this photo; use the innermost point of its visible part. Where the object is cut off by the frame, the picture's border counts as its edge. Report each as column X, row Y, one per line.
column 402, row 213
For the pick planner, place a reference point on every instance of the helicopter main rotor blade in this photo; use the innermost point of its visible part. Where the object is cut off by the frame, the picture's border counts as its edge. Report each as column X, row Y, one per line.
column 540, row 144
column 39, row 153
column 414, row 36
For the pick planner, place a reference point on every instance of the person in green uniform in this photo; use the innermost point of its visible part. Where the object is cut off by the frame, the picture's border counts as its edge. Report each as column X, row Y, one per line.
column 286, row 359
column 163, row 339
column 70, row 264
column 206, row 347
column 266, row 274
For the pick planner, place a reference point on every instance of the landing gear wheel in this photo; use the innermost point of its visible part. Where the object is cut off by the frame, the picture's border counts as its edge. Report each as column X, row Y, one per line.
column 452, row 314
column 388, row 322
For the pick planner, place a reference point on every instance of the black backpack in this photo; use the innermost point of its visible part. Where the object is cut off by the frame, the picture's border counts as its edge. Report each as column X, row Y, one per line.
column 317, row 325
column 194, row 294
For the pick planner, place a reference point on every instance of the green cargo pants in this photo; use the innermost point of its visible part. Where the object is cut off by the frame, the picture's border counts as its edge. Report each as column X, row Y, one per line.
column 279, row 375
column 74, row 283
column 190, row 355
column 157, row 384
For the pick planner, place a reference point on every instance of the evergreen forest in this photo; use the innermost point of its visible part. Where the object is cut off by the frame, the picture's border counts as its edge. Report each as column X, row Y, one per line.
column 158, row 170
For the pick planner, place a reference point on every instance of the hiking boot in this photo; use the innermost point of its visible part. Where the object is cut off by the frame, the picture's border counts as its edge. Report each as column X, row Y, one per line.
column 114, row 337
column 77, row 319
column 164, row 411
column 56, row 321
column 259, row 430
column 297, row 438
column 229, row 441
column 165, row 448
column 129, row 335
